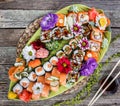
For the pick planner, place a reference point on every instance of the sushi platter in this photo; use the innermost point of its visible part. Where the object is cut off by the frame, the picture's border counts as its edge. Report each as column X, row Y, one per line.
column 66, row 48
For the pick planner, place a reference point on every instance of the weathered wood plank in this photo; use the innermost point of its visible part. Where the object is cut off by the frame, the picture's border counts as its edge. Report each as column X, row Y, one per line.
column 21, row 18
column 10, row 37
column 45, row 4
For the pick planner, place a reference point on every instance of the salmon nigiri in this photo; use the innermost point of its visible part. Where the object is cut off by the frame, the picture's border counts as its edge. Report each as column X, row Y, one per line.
column 29, row 88
column 41, row 79
column 46, row 90
column 55, row 72
column 47, row 75
column 63, row 77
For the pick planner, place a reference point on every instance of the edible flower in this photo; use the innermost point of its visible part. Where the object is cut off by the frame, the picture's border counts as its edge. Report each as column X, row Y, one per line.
column 63, row 65
column 76, row 29
column 12, row 95
column 25, row 95
column 37, row 44
column 84, row 43
column 101, row 21
column 88, row 68
column 92, row 14
column 48, row 21
column 42, row 53
column 28, row 53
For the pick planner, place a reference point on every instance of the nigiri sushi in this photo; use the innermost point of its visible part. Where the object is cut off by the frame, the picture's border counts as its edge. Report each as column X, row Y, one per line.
column 54, row 86
column 55, row 72
column 32, row 76
column 41, row 79
column 47, row 66
column 24, row 82
column 63, row 77
column 17, row 88
column 29, row 88
column 47, row 75
column 45, row 91
column 54, row 60
column 39, row 71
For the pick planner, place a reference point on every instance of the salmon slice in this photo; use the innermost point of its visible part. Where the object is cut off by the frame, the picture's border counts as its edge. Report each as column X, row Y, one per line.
column 46, row 90
column 29, row 88
column 55, row 89
column 34, row 63
column 63, row 77
column 41, row 79
column 35, row 96
column 47, row 75
column 55, row 72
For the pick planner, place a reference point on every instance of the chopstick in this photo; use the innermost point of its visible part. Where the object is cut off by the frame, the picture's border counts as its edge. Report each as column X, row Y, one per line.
column 93, row 99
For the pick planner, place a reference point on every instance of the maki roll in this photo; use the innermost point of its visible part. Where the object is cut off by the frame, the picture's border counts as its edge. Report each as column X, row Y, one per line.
column 60, row 54
column 24, row 82
column 83, row 17
column 54, row 60
column 67, row 49
column 32, row 76
column 73, row 43
column 17, row 88
column 39, row 71
column 94, row 46
column 47, row 66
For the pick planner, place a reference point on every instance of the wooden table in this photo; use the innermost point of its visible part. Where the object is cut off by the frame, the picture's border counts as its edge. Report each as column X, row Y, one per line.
column 16, row 15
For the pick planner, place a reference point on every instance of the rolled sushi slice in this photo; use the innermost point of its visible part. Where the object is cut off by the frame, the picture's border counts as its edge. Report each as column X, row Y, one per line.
column 39, row 71
column 73, row 43
column 60, row 54
column 67, row 49
column 47, row 66
column 17, row 88
column 54, row 60
column 32, row 76
column 78, row 37
column 54, row 83
column 24, row 82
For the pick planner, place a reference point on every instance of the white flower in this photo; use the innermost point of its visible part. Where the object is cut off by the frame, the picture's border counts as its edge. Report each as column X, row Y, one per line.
column 37, row 88
column 101, row 22
column 28, row 53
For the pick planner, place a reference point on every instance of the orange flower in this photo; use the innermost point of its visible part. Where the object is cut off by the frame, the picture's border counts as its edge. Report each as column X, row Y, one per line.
column 60, row 21
column 34, row 63
column 92, row 14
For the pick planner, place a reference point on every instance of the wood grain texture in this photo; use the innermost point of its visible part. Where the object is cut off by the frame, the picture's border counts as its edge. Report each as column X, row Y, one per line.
column 21, row 18
column 58, row 4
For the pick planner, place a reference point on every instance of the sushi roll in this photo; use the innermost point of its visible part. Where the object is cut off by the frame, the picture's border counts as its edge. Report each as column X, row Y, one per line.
column 60, row 54
column 47, row 76
column 24, row 82
column 47, row 66
column 17, row 88
column 94, row 46
column 83, row 17
column 54, row 83
column 54, row 60
column 56, row 33
column 78, row 55
column 78, row 37
column 39, row 71
column 32, row 76
column 67, row 49
column 73, row 43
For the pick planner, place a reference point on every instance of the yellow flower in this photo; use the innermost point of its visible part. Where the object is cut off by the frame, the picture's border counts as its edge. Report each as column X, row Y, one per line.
column 12, row 95
column 103, row 22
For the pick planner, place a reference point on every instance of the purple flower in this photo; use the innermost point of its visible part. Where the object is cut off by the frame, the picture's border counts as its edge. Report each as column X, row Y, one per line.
column 84, row 43
column 88, row 68
column 48, row 21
